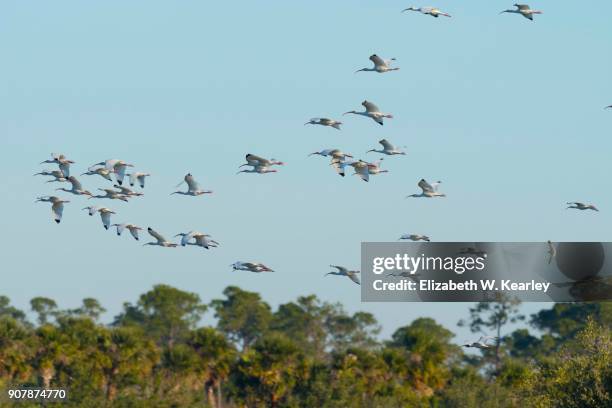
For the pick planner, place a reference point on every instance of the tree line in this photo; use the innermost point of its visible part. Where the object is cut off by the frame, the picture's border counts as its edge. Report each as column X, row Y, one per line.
column 306, row 353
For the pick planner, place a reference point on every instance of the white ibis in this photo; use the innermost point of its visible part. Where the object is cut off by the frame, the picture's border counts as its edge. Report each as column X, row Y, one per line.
column 130, row 227
column 431, row 11
column 99, row 171
column 159, row 240
column 481, row 343
column 259, row 170
column 380, row 65
column 61, row 161
column 415, row 237
column 77, row 187
column 342, row 271
column 138, row 177
column 524, row 10
column 57, row 175
column 57, row 206
column 429, row 190
column 324, row 122
column 336, row 154
column 202, row 240
column 581, row 206
column 371, row 111
column 105, row 216
column 111, row 195
column 126, row 191
column 253, row 160
column 387, row 149
column 255, row 267
column 92, row 209
column 193, row 188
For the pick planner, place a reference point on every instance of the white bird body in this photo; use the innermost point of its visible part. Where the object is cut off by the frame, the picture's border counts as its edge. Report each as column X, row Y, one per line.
column 387, row 149
column 92, row 209
column 259, row 170
column 524, row 10
column 481, row 343
column 130, row 227
column 257, row 161
column 415, row 237
column 57, row 206
column 432, row 11
column 335, row 154
column 324, row 122
column 193, row 188
column 160, row 240
column 429, row 190
column 100, row 171
column 255, row 267
column 62, row 162
column 342, row 271
column 138, row 177
column 77, row 187
column 380, row 65
column 581, row 206
column 371, row 111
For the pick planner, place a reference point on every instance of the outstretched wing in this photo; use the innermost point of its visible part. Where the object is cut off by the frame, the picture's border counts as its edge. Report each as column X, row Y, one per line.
column 156, row 235
column 354, row 278
column 379, row 62
column 425, row 186
column 192, row 185
column 58, row 209
column 370, row 107
column 386, row 145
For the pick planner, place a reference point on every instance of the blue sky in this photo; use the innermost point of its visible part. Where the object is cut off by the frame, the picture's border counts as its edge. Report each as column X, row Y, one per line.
column 506, row 112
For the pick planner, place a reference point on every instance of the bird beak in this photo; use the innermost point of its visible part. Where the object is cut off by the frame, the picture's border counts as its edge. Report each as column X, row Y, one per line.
column 345, row 113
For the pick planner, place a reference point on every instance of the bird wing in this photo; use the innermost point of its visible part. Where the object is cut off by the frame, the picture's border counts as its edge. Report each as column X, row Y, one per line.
column 364, row 173
column 257, row 159
column 110, row 164
column 58, row 209
column 341, row 269
column 65, row 168
column 385, row 144
column 106, row 218
column 120, row 228
column 187, row 237
column 134, row 232
column 156, row 235
column 141, row 180
column 120, row 172
column 370, row 107
column 354, row 278
column 192, row 185
column 76, row 184
column 379, row 62
column 425, row 186
column 339, row 166
column 522, row 7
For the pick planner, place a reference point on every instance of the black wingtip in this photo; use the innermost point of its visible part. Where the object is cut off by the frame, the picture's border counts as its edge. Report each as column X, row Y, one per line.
column 106, row 228
column 57, row 221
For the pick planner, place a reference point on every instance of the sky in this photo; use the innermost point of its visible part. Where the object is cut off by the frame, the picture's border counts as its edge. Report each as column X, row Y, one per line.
column 508, row 113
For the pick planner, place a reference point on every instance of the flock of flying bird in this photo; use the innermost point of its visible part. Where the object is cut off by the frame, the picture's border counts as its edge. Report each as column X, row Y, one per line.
column 339, row 161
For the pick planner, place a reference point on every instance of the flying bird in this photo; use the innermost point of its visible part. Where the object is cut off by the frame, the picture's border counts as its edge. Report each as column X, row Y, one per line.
column 414, row 237
column 342, row 271
column 387, row 149
column 57, row 206
column 324, row 122
column 92, row 209
column 371, row 111
column 481, row 343
column 250, row 267
column 524, row 10
column 160, row 240
column 130, row 227
column 257, row 161
column 432, row 11
column 552, row 251
column 111, row 195
column 61, row 161
column 259, row 170
column 380, row 65
column 336, row 154
column 105, row 216
column 193, row 188
column 429, row 190
column 100, row 171
column 77, row 187
column 581, row 206
column 57, row 175
column 126, row 191
column 202, row 240
column 138, row 177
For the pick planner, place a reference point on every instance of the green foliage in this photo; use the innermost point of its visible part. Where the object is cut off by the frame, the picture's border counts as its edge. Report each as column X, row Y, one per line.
column 307, row 353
